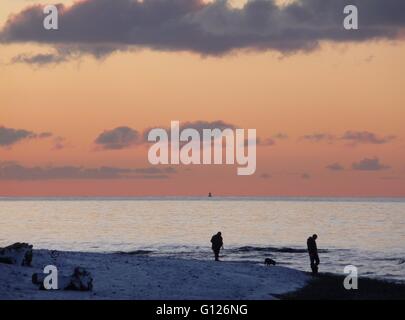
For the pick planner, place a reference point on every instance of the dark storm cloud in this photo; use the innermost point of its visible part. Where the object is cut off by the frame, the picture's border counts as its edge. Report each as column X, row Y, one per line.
column 10, row 136
column 118, row 138
column 100, row 27
column 15, row 171
column 369, row 164
column 366, row 137
column 39, row 59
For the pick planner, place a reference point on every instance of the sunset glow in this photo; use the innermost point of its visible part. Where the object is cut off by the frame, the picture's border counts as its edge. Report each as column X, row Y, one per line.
column 330, row 120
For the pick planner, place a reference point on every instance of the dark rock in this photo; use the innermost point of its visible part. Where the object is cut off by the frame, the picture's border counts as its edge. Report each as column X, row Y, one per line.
column 18, row 254
column 269, row 262
column 81, row 280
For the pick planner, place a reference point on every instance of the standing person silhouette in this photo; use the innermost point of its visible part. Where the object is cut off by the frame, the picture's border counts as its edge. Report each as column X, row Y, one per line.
column 217, row 244
column 313, row 253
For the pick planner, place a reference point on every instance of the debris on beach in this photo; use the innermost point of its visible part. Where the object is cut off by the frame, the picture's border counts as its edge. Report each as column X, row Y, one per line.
column 80, row 280
column 18, row 254
column 143, row 277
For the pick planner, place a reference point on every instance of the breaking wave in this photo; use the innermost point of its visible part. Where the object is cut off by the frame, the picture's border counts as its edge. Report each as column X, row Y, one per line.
column 274, row 249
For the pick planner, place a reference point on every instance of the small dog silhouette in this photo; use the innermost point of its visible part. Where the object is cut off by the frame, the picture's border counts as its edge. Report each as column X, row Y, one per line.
column 269, row 262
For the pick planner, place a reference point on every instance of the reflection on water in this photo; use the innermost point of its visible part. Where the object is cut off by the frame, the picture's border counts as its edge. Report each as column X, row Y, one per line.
column 368, row 234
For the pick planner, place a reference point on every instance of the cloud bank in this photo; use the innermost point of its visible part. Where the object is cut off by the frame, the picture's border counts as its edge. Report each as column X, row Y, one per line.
column 352, row 137
column 100, row 27
column 125, row 137
column 369, row 164
column 11, row 136
column 118, row 138
column 335, row 167
column 15, row 171
column 366, row 137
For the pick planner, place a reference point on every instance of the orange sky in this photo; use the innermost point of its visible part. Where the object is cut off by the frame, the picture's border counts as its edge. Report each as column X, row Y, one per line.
column 337, row 88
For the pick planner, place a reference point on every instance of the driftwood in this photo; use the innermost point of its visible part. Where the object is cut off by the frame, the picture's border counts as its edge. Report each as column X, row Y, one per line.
column 80, row 280
column 18, row 253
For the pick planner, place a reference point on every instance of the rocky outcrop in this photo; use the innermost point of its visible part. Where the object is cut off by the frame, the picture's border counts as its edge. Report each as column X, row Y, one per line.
column 18, row 253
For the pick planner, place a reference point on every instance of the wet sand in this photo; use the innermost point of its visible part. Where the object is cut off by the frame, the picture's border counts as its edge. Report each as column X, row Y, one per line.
column 330, row 287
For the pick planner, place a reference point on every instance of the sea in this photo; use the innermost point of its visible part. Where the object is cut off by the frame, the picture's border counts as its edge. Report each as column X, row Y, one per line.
column 368, row 233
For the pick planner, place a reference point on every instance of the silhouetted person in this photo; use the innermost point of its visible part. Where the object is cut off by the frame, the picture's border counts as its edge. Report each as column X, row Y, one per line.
column 313, row 253
column 217, row 244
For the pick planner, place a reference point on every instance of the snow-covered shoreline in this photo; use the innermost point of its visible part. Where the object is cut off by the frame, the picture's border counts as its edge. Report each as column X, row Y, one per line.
column 142, row 277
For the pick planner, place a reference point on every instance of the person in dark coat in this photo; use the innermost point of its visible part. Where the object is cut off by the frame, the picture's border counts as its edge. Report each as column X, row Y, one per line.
column 217, row 244
column 313, row 253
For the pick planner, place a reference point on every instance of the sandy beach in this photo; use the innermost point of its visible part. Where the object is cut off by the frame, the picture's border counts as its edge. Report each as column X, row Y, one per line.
column 138, row 276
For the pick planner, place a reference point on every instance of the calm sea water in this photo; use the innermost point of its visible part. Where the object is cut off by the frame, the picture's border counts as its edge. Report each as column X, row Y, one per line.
column 368, row 233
